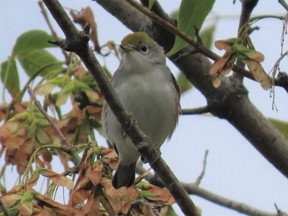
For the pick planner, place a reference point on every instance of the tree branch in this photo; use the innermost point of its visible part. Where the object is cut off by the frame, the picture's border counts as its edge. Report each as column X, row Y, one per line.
column 195, row 189
column 230, row 101
column 77, row 42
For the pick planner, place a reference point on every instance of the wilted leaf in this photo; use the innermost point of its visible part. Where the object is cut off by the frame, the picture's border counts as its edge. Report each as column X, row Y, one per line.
column 95, row 173
column 57, row 207
column 82, row 186
column 225, row 44
column 110, row 157
column 92, row 205
column 9, row 199
column 156, row 194
column 78, row 196
column 86, row 17
column 121, row 199
column 237, row 48
column 23, row 155
column 58, row 179
column 192, row 14
column 10, row 77
column 259, row 74
column 223, row 65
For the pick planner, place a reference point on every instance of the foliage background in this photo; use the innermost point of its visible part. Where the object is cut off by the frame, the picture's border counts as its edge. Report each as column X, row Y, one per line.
column 235, row 169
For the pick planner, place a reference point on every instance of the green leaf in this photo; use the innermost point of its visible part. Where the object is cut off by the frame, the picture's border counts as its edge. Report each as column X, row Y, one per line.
column 10, row 77
column 207, row 36
column 174, row 14
column 171, row 212
column 183, row 83
column 27, row 196
column 31, row 40
column 65, row 93
column 282, row 126
column 151, row 3
column 37, row 60
column 192, row 14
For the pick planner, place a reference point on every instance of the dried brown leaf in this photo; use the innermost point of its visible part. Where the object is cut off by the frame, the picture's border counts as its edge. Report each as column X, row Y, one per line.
column 92, row 206
column 58, row 179
column 26, row 208
column 58, row 207
column 158, row 195
column 224, row 44
column 9, row 199
column 81, row 190
column 86, row 17
column 120, row 199
column 95, row 173
column 259, row 73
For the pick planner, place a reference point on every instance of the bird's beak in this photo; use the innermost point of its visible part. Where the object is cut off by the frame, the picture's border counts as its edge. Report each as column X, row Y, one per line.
column 125, row 49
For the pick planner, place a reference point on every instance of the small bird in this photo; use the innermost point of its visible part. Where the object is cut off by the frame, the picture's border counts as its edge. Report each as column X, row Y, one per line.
column 148, row 90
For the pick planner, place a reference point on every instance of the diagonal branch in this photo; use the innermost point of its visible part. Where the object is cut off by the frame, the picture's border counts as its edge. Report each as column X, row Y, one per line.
column 78, row 42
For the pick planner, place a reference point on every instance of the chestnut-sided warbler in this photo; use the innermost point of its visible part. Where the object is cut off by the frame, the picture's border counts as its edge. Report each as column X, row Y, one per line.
column 148, row 90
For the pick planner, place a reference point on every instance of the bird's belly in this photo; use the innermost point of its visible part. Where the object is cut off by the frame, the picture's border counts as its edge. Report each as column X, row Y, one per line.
column 153, row 107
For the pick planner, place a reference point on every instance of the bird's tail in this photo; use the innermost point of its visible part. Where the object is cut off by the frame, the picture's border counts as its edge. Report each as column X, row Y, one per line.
column 124, row 176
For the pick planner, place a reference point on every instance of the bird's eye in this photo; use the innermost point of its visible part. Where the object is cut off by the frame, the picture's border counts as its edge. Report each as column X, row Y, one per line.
column 144, row 48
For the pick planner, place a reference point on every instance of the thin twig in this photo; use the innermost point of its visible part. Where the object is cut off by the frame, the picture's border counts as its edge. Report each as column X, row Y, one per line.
column 200, row 177
column 63, row 139
column 196, row 111
column 280, row 80
column 279, row 211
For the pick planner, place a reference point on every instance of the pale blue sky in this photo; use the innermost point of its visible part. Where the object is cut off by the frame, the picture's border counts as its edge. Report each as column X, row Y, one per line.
column 235, row 169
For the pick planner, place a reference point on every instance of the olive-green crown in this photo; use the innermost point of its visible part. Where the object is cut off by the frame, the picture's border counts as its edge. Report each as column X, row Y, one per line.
column 137, row 38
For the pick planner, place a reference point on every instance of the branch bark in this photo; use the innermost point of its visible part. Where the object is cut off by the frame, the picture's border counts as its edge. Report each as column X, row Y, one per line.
column 230, row 101
column 78, row 42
